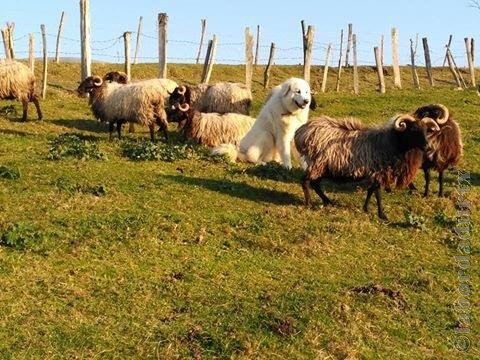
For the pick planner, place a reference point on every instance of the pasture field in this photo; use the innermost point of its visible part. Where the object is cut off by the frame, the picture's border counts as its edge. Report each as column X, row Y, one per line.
column 103, row 257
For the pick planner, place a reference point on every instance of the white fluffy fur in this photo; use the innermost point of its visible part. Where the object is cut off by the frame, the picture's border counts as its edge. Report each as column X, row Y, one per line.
column 270, row 137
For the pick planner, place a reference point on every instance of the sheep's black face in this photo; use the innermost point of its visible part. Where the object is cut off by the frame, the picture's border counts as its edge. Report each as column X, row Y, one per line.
column 176, row 98
column 430, row 111
column 88, row 85
column 414, row 137
column 176, row 115
column 116, row 76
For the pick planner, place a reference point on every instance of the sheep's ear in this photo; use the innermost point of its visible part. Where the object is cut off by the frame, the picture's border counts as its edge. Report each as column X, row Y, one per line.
column 288, row 90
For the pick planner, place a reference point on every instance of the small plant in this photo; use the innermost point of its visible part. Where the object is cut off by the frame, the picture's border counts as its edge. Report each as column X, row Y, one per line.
column 442, row 219
column 70, row 145
column 8, row 110
column 9, row 174
column 414, row 220
column 19, row 236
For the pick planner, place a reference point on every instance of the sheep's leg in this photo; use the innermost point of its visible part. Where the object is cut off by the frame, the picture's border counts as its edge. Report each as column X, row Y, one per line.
column 110, row 130
column 378, row 196
column 119, row 129
column 426, row 172
column 306, row 190
column 37, row 106
column 316, row 186
column 440, row 183
column 25, row 110
column 152, row 132
column 370, row 191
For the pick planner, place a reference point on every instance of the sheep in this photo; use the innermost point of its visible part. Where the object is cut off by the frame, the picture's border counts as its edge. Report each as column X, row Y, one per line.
column 17, row 81
column 446, row 146
column 348, row 150
column 223, row 97
column 211, row 129
column 121, row 78
column 142, row 103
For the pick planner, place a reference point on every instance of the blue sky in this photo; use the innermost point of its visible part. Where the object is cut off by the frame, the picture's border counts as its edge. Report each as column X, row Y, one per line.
column 279, row 21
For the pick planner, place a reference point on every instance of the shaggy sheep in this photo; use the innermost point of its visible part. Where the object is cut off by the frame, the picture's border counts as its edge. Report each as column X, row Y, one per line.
column 348, row 150
column 17, row 81
column 224, row 97
column 445, row 146
column 270, row 137
column 141, row 103
column 211, row 129
column 121, row 78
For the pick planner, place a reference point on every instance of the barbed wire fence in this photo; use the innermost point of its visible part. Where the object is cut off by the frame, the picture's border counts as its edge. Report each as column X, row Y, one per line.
column 233, row 52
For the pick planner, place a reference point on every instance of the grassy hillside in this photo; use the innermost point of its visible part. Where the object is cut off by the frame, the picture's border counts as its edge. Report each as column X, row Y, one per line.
column 194, row 258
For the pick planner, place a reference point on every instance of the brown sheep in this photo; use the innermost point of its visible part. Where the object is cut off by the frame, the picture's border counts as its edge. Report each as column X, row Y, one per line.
column 348, row 150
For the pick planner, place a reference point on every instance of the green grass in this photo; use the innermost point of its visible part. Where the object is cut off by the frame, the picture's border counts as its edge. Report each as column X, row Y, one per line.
column 104, row 257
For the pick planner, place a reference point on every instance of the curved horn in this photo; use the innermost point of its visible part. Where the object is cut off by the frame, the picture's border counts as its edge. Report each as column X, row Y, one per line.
column 446, row 114
column 97, row 81
column 182, row 89
column 184, row 107
column 400, row 122
column 430, row 123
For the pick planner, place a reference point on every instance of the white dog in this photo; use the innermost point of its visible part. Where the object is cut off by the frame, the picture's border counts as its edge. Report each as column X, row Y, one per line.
column 270, row 136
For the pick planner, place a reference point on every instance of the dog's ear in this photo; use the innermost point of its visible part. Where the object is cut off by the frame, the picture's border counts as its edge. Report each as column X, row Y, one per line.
column 288, row 90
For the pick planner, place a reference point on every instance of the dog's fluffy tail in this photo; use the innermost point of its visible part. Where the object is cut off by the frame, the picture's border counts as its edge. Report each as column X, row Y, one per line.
column 230, row 151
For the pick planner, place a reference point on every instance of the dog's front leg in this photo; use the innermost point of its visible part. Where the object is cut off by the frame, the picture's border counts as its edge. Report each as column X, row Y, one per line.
column 284, row 150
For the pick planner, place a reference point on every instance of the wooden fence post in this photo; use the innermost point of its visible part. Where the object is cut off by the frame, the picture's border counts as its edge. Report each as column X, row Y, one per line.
column 11, row 27
column 304, row 39
column 209, row 60
column 349, row 44
column 162, row 45
column 266, row 75
column 248, row 57
column 31, row 52
column 45, row 61
column 472, row 49
column 257, row 46
column 202, row 36
column 6, row 41
column 381, row 78
column 86, row 57
column 464, row 84
column 446, row 52
column 428, row 62
column 397, row 81
column 413, row 52
column 325, row 68
column 356, row 89
column 126, row 40
column 339, row 74
column 471, row 64
column 59, row 34
column 308, row 53
column 453, row 70
column 139, row 35
column 382, row 42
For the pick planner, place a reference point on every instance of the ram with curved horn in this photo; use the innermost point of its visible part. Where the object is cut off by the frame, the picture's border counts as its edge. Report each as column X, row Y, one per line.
column 445, row 144
column 346, row 149
column 141, row 103
column 211, row 129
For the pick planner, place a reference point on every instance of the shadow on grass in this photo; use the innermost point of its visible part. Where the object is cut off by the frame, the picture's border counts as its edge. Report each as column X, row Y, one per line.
column 239, row 190
column 16, row 132
column 82, row 124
